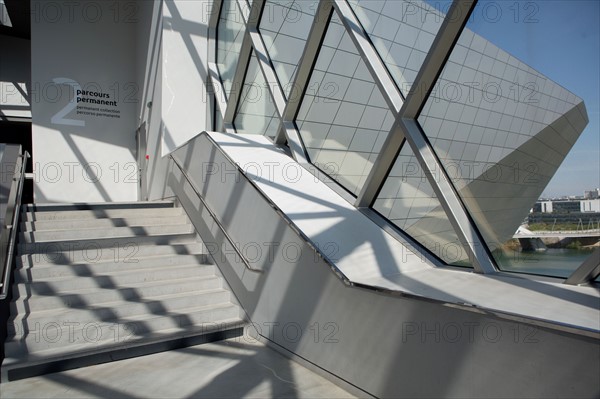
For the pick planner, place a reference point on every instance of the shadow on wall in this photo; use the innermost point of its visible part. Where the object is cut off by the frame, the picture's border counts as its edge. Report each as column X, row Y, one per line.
column 360, row 335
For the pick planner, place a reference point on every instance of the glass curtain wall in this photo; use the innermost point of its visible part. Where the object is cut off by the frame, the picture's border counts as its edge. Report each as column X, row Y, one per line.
column 499, row 128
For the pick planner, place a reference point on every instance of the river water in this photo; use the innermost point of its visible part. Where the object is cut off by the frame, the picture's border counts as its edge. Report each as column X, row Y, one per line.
column 552, row 262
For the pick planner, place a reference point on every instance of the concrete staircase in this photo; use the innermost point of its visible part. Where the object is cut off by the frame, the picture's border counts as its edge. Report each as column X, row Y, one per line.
column 94, row 283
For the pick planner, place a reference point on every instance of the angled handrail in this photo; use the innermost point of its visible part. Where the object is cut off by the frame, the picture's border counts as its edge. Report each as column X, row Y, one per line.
column 7, row 262
column 337, row 272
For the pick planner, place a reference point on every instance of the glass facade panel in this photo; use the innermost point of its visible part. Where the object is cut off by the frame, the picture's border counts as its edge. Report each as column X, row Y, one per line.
column 408, row 201
column 284, row 27
column 256, row 113
column 230, row 34
column 343, row 119
column 402, row 32
column 501, row 130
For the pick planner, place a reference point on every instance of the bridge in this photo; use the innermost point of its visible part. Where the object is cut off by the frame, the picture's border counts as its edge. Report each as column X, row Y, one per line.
column 537, row 240
column 523, row 232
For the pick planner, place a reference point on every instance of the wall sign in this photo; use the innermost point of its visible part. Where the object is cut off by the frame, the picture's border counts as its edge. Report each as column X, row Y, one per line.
column 86, row 103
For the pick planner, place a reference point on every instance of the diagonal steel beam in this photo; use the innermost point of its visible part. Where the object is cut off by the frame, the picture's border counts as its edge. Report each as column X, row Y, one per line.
column 426, row 78
column 449, row 199
column 303, row 72
column 407, row 128
column 237, row 83
column 370, row 56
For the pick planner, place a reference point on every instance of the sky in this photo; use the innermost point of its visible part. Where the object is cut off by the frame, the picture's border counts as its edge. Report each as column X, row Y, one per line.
column 561, row 40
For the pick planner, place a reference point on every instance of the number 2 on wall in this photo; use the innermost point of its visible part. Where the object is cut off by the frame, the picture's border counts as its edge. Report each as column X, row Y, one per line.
column 59, row 117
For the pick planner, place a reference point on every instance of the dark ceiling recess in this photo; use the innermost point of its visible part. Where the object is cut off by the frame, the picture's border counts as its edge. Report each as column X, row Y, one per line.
column 19, row 13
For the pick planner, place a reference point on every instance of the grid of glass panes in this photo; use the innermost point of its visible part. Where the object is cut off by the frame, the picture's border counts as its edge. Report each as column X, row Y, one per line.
column 344, row 118
column 230, row 35
column 487, row 111
column 284, row 28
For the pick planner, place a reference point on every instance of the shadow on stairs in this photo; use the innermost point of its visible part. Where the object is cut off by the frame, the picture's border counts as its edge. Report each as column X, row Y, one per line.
column 102, row 282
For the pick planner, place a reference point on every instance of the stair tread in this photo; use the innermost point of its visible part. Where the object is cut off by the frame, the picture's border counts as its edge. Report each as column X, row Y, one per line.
column 143, row 248
column 49, row 236
column 85, row 224
column 64, row 245
column 93, row 214
column 85, row 349
column 115, row 273
column 140, row 318
column 136, row 272
column 84, row 291
column 100, row 305
column 138, row 260
column 82, row 297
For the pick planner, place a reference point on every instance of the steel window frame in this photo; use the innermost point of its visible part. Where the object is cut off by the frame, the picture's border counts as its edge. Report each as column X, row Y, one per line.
column 406, row 128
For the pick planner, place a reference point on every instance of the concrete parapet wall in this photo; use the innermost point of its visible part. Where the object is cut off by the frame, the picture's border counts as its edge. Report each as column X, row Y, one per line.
column 386, row 345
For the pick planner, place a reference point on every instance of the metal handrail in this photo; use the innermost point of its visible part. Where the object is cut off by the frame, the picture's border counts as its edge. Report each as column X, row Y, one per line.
column 13, row 228
column 336, row 271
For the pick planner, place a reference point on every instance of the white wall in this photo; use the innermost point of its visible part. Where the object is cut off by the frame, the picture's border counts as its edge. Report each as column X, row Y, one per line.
column 547, row 206
column 590, row 205
column 184, row 71
column 389, row 345
column 177, row 88
column 84, row 158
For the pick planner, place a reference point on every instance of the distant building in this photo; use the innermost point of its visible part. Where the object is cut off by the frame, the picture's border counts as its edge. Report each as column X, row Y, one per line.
column 580, row 211
column 592, row 194
column 567, row 206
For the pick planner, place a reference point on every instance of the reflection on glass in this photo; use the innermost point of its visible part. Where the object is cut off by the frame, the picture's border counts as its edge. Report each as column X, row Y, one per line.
column 284, row 27
column 408, row 201
column 230, row 34
column 343, row 119
column 256, row 113
column 402, row 32
column 501, row 130
column 557, row 262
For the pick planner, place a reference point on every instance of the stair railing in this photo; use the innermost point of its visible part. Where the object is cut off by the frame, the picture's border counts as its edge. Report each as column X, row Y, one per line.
column 12, row 160
column 214, row 217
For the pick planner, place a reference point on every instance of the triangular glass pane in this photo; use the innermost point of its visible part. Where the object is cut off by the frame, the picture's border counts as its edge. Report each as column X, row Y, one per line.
column 343, row 119
column 501, row 130
column 284, row 27
column 408, row 201
column 402, row 31
column 256, row 113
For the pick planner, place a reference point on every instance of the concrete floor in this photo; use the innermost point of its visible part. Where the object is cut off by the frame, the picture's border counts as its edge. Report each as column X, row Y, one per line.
column 228, row 369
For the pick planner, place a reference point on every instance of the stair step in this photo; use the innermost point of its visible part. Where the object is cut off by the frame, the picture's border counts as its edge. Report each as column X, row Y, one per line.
column 114, row 280
column 54, row 335
column 32, row 216
column 114, row 232
column 121, row 254
column 127, row 243
column 133, row 292
column 37, row 273
column 72, row 224
column 96, row 282
column 54, row 207
column 22, row 323
column 80, row 355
